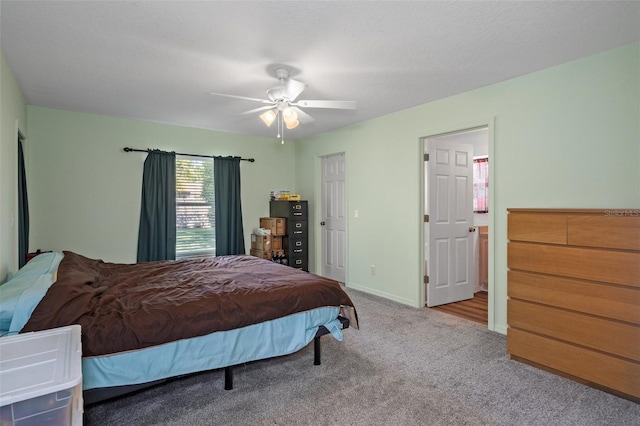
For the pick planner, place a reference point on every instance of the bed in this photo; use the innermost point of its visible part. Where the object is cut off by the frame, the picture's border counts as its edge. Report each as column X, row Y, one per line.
column 144, row 323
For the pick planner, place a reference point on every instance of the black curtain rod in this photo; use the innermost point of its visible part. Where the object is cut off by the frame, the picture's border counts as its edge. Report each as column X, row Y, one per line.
column 127, row 149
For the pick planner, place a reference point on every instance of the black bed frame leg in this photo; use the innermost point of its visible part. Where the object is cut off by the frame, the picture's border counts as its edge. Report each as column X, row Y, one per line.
column 316, row 350
column 228, row 378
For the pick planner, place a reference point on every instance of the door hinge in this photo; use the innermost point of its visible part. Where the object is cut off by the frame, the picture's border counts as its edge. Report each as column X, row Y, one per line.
column 426, row 279
column 426, row 156
column 426, row 218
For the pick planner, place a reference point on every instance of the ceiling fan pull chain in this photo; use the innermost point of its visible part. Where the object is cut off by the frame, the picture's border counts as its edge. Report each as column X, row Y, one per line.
column 278, row 119
column 282, row 125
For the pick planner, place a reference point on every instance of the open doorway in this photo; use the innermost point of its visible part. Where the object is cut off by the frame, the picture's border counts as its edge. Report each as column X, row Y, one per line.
column 456, row 225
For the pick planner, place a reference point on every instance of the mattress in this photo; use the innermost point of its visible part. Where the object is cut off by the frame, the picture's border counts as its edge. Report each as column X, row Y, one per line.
column 268, row 339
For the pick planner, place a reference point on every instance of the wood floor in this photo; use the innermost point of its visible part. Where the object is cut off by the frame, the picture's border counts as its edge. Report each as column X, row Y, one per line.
column 473, row 309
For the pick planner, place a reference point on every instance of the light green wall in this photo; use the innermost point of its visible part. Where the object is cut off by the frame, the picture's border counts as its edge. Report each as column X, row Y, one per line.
column 13, row 116
column 567, row 136
column 85, row 191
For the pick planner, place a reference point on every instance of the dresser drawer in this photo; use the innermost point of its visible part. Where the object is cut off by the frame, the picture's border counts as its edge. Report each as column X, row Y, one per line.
column 537, row 228
column 605, row 300
column 573, row 327
column 618, row 267
column 596, row 367
column 617, row 232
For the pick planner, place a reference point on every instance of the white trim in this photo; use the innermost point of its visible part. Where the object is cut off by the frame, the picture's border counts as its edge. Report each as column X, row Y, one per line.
column 318, row 214
column 489, row 123
column 384, row 295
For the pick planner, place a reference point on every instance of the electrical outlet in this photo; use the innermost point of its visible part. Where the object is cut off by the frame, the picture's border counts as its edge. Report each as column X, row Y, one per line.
column 373, row 269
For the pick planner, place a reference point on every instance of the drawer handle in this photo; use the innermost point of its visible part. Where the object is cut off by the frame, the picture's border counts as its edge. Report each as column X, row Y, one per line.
column 297, row 232
column 298, row 206
column 297, row 213
column 298, row 261
column 298, row 243
column 298, row 251
column 298, row 225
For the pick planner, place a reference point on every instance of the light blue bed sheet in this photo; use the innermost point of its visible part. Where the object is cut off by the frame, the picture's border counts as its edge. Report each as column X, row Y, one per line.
column 268, row 339
column 21, row 294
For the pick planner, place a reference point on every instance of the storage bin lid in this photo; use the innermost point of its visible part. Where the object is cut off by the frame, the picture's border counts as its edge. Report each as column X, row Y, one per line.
column 39, row 363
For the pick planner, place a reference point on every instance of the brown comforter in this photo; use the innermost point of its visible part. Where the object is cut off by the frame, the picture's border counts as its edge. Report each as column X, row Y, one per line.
column 132, row 306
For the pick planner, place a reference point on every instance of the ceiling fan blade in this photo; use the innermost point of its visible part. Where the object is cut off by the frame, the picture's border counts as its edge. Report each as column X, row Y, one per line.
column 264, row 101
column 292, row 89
column 251, row 111
column 327, row 104
column 302, row 116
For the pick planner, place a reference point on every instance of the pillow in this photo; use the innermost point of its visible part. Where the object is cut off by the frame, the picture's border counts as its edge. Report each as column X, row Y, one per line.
column 28, row 301
column 45, row 263
column 13, row 290
column 10, row 293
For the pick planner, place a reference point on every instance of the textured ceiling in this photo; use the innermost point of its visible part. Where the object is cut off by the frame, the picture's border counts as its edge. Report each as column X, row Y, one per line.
column 158, row 60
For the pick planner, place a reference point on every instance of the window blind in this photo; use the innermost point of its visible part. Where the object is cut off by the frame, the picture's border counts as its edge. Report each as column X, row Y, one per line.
column 195, row 212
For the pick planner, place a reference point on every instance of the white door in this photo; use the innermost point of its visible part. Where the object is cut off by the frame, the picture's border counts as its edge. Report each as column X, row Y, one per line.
column 333, row 220
column 450, row 210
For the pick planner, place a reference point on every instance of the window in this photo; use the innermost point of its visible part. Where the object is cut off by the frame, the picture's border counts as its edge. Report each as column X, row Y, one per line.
column 195, row 213
column 481, row 185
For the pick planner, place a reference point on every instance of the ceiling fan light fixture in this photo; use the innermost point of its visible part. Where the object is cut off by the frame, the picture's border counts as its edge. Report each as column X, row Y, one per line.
column 268, row 117
column 289, row 115
column 292, row 124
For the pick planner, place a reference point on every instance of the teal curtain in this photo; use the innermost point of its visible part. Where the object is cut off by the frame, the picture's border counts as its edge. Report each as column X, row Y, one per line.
column 228, row 209
column 23, row 209
column 157, row 233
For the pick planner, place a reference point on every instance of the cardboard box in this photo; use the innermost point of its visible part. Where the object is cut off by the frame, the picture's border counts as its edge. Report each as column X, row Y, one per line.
column 276, row 243
column 277, row 225
column 261, row 254
column 261, row 242
column 41, row 378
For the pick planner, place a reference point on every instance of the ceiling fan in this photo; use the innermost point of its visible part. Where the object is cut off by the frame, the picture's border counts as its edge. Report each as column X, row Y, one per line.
column 283, row 105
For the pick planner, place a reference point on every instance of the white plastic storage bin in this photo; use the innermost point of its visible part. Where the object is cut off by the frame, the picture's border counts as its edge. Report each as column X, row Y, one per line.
column 41, row 378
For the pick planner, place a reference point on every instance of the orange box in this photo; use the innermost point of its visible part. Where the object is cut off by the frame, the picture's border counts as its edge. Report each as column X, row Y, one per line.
column 261, row 254
column 276, row 242
column 261, row 242
column 277, row 225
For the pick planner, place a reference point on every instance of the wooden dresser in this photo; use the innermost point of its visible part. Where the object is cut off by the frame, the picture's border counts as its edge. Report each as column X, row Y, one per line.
column 574, row 295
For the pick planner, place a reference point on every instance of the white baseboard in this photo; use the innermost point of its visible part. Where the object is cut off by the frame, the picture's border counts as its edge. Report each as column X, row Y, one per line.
column 383, row 294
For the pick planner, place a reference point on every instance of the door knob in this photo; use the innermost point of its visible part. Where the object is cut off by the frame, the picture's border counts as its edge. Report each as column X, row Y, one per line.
column 322, row 223
column 472, row 229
